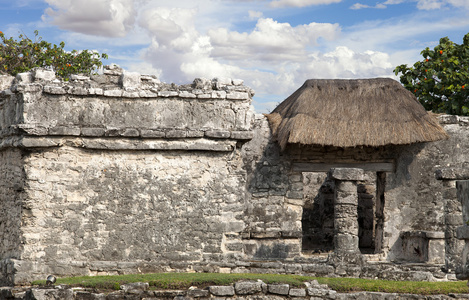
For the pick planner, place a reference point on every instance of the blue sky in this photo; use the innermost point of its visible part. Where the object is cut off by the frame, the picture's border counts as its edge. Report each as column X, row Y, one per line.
column 273, row 45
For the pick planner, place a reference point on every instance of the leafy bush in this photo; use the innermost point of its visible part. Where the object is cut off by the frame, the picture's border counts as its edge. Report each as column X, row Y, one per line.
column 441, row 80
column 17, row 56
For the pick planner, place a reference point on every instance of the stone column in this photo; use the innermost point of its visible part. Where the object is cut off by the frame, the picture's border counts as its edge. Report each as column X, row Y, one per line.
column 346, row 208
column 462, row 271
column 453, row 216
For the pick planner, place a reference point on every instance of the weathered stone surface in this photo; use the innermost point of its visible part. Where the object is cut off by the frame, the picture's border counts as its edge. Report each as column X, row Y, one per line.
column 79, row 77
column 242, row 135
column 93, row 131
column 344, row 174
column 79, row 295
column 5, row 82
column 237, row 96
column 247, row 287
column 202, row 83
column 45, row 75
column 24, row 77
column 130, row 80
column 222, row 290
column 462, row 187
column 280, row 289
column 113, row 93
column 218, row 134
column 47, row 294
column 135, row 287
column 346, row 242
column 113, row 69
column 197, row 293
column 57, row 90
column 297, row 293
column 462, row 232
column 219, row 82
column 186, row 94
column 452, row 174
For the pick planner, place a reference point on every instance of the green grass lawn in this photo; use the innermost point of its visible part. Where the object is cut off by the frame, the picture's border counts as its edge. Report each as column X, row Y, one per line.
column 202, row 280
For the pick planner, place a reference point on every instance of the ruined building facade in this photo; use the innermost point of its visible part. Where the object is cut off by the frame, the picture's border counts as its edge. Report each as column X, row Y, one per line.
column 120, row 173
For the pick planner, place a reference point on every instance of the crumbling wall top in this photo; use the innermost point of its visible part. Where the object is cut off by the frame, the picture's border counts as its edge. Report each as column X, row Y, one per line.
column 116, row 82
column 118, row 107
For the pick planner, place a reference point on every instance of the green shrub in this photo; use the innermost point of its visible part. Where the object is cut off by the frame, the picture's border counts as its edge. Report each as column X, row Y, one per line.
column 17, row 56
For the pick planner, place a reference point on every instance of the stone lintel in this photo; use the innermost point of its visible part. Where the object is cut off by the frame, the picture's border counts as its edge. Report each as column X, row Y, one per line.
column 452, row 174
column 242, row 135
column 199, row 144
column 43, row 131
column 347, row 174
column 423, row 234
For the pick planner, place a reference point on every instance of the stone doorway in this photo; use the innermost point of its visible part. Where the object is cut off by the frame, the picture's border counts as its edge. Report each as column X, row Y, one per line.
column 318, row 212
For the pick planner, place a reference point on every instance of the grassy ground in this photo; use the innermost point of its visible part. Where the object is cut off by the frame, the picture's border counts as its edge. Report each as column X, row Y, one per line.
column 201, row 280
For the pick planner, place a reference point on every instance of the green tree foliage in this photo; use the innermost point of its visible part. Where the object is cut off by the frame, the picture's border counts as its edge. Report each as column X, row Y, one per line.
column 441, row 80
column 17, row 56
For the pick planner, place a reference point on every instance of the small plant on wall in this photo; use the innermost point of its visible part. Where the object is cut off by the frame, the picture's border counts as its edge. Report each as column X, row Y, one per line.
column 24, row 54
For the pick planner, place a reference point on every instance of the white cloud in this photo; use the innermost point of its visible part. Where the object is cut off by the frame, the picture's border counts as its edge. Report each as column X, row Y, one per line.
column 421, row 4
column 254, row 15
column 439, row 4
column 430, row 4
column 112, row 18
column 270, row 41
column 144, row 68
column 392, row 2
column 460, row 3
column 170, row 27
column 346, row 63
column 361, row 6
column 301, row 3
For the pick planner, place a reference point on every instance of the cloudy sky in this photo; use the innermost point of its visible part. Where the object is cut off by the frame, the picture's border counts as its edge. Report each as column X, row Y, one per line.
column 273, row 45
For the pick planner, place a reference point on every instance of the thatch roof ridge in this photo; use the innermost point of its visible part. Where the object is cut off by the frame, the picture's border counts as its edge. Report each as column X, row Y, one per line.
column 349, row 113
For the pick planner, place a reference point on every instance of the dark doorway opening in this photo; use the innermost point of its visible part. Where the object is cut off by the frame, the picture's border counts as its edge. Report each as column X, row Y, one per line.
column 318, row 213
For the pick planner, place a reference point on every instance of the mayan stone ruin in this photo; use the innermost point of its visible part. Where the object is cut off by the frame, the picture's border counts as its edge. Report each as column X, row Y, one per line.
column 120, row 173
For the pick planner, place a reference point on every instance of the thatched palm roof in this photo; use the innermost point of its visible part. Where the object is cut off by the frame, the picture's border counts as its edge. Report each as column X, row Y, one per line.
column 350, row 113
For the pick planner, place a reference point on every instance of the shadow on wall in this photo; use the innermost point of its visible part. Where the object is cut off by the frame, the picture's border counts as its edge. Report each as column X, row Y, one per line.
column 274, row 251
column 408, row 192
column 403, row 173
column 318, row 213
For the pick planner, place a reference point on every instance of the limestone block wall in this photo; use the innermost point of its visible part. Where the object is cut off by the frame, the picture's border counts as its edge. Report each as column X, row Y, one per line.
column 416, row 213
column 422, row 204
column 120, row 173
column 110, row 209
column 11, row 208
column 274, row 199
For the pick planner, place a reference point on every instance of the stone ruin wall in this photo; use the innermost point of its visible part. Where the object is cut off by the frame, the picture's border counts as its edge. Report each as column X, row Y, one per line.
column 423, row 195
column 421, row 211
column 121, row 173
